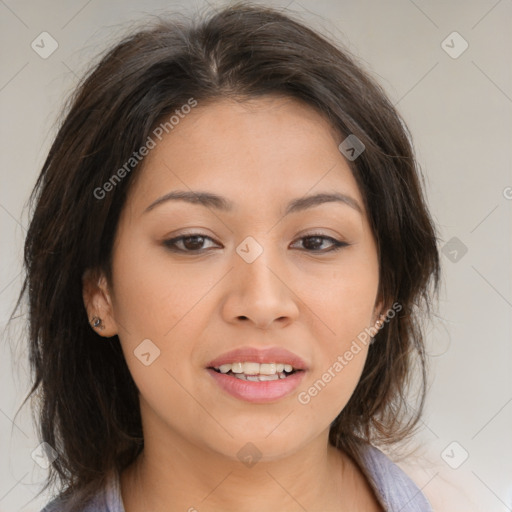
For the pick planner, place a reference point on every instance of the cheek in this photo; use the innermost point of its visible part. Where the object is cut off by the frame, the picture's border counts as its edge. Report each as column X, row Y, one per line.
column 155, row 307
column 329, row 389
column 334, row 377
column 344, row 307
column 340, row 301
column 153, row 295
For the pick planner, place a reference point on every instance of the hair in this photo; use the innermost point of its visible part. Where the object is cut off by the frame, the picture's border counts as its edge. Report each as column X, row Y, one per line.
column 86, row 400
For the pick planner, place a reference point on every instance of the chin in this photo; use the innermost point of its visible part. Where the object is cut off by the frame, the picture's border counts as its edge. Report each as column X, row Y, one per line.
column 261, row 443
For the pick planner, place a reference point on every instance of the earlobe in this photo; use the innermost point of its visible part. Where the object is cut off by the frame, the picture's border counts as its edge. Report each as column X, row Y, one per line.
column 378, row 312
column 98, row 303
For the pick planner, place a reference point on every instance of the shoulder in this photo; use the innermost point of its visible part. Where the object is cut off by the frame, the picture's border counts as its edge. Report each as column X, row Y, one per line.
column 58, row 505
column 396, row 490
column 107, row 500
column 94, row 505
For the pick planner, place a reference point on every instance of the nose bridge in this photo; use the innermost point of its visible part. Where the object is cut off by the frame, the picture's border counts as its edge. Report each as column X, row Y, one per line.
column 257, row 267
column 263, row 278
column 258, row 292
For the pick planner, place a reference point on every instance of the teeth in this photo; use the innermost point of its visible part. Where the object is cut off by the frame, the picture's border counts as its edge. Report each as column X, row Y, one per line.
column 258, row 378
column 269, row 377
column 267, row 368
column 251, row 368
column 236, row 367
column 256, row 370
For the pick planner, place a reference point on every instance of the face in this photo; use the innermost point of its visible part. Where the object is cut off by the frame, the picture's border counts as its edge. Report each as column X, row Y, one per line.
column 262, row 276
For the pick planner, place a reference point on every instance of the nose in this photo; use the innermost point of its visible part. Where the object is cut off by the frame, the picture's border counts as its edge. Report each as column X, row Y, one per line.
column 260, row 293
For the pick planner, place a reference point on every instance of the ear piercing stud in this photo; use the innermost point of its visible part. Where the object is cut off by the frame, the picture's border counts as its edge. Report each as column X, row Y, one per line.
column 97, row 323
column 379, row 323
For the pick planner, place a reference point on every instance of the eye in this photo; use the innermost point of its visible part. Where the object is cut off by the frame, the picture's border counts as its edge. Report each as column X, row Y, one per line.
column 188, row 243
column 314, row 241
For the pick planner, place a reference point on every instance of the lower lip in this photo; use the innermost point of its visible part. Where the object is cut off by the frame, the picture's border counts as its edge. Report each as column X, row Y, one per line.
column 257, row 392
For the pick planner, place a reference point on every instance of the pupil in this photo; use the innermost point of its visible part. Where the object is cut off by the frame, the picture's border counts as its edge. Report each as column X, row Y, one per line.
column 197, row 242
column 317, row 242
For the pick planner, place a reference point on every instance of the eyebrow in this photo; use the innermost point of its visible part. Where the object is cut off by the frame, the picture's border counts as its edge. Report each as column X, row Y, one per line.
column 217, row 202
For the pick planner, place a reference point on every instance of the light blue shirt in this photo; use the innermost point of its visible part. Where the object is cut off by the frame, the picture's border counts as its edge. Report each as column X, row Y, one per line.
column 395, row 491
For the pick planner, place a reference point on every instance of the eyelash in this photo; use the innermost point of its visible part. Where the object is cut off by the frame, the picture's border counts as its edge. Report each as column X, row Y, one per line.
column 171, row 243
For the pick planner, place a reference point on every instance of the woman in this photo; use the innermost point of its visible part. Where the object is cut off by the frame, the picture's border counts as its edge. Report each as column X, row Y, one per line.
column 226, row 262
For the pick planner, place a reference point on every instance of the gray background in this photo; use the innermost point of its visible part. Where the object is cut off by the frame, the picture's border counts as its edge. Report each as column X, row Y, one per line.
column 459, row 111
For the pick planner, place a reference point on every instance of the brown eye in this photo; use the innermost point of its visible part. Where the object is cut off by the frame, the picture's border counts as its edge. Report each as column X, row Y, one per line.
column 313, row 243
column 187, row 243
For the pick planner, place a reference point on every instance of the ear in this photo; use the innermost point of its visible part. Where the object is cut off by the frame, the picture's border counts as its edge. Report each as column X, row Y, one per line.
column 98, row 303
column 379, row 312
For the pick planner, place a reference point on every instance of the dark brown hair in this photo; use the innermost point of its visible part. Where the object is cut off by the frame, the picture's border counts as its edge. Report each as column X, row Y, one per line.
column 87, row 401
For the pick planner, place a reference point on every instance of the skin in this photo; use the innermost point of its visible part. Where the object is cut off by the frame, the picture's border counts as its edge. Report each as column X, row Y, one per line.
column 259, row 154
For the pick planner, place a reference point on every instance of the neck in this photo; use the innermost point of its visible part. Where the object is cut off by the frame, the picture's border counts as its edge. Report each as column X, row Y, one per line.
column 174, row 475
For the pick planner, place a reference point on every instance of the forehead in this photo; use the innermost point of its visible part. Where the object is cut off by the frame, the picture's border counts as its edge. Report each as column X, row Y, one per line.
column 251, row 151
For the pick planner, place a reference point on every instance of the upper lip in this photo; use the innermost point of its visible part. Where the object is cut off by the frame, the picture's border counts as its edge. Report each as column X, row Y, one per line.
column 258, row 355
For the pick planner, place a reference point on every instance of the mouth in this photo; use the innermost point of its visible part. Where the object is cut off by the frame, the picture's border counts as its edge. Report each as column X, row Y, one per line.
column 258, row 376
